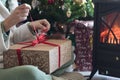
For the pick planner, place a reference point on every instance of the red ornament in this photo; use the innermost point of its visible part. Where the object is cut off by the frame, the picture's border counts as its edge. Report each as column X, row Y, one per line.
column 50, row 1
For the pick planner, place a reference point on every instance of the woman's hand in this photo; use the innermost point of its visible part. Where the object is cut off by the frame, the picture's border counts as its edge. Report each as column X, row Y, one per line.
column 19, row 14
column 42, row 25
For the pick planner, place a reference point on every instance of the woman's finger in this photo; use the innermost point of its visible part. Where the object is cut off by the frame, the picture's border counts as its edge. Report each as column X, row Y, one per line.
column 24, row 6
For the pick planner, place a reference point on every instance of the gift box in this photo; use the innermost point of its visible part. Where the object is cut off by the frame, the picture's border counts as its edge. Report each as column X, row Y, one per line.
column 83, row 47
column 46, row 57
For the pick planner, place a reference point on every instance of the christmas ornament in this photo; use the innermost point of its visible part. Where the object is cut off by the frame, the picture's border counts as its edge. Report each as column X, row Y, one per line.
column 35, row 3
column 80, row 1
column 50, row 1
column 68, row 13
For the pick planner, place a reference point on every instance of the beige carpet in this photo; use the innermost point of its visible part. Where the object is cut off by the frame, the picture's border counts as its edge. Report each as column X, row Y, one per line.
column 78, row 76
column 70, row 76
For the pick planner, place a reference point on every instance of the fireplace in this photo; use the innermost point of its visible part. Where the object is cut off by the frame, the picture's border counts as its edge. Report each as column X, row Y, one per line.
column 106, row 38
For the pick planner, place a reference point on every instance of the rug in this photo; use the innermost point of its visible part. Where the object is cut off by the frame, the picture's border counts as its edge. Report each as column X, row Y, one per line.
column 70, row 76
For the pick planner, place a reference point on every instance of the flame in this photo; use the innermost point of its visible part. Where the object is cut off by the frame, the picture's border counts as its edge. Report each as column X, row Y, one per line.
column 111, row 38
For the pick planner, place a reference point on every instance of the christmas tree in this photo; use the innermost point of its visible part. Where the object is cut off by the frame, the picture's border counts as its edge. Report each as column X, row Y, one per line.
column 61, row 10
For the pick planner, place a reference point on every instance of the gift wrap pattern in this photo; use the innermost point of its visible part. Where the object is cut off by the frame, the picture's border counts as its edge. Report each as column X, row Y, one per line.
column 83, row 48
column 44, row 56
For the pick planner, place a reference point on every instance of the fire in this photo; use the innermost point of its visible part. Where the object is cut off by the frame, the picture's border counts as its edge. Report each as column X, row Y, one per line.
column 111, row 39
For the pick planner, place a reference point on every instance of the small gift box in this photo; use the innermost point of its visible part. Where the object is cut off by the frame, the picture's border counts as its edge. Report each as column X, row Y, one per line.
column 48, row 57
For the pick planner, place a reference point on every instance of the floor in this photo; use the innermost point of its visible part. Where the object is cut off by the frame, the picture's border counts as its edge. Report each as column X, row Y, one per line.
column 99, row 77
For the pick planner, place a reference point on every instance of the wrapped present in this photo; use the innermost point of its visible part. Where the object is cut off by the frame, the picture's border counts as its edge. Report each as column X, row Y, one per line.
column 47, row 57
column 83, row 47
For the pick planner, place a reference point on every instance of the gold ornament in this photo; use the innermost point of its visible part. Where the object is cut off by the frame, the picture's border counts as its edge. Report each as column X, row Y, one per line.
column 68, row 13
column 80, row 1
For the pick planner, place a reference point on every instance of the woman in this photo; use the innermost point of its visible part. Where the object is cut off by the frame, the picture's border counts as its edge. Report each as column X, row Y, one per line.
column 10, row 15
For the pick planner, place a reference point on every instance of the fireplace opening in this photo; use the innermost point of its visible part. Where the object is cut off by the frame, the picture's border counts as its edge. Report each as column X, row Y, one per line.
column 110, row 28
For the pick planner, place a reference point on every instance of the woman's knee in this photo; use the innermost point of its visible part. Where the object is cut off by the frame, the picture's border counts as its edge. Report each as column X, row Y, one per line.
column 26, row 72
column 33, row 73
column 29, row 71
